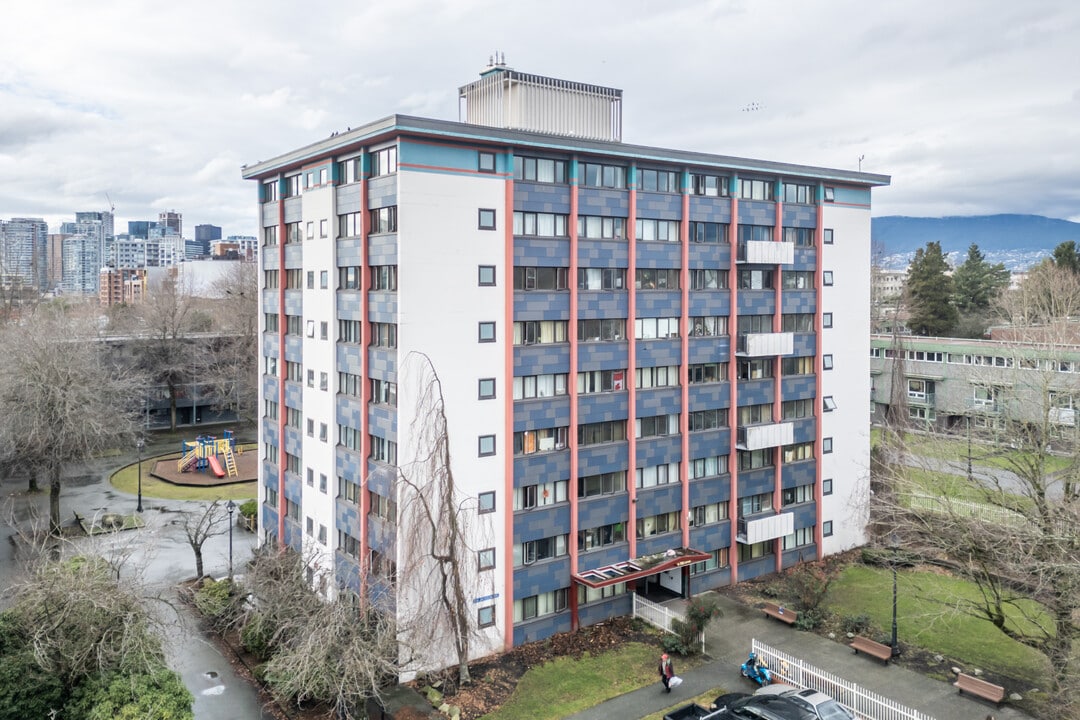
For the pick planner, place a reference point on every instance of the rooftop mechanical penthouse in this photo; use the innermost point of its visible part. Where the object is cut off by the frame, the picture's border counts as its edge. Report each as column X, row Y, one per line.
column 652, row 361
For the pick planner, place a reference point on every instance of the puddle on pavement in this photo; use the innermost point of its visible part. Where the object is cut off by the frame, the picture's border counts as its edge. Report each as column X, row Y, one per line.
column 217, row 688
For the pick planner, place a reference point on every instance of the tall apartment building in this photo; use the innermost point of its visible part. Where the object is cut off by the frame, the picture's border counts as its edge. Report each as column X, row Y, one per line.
column 24, row 252
column 81, row 265
column 206, row 234
column 171, row 222
column 653, row 361
column 123, row 286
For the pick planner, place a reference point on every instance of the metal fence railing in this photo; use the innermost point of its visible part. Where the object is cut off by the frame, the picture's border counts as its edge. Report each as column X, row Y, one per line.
column 659, row 615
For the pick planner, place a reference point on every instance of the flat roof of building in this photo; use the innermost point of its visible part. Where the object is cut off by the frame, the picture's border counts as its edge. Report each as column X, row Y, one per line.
column 395, row 125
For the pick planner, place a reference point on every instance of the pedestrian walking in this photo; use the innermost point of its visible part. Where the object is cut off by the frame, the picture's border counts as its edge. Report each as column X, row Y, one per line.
column 667, row 671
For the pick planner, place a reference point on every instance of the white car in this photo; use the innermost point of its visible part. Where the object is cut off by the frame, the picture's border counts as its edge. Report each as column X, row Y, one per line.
column 816, row 702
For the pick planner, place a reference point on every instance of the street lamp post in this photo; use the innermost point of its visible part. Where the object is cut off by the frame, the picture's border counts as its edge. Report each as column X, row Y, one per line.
column 231, row 507
column 139, row 445
column 894, row 543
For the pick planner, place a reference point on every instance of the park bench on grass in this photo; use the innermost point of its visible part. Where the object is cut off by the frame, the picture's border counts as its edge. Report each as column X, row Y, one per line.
column 980, row 688
column 869, row 647
column 780, row 613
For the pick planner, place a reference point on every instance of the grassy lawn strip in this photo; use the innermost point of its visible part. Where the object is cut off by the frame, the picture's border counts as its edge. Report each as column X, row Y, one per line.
column 982, row 454
column 929, row 616
column 126, row 480
column 703, row 700
column 565, row 686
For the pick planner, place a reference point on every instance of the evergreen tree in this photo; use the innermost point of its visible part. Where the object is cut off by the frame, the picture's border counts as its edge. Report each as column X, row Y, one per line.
column 930, row 293
column 1066, row 258
column 977, row 282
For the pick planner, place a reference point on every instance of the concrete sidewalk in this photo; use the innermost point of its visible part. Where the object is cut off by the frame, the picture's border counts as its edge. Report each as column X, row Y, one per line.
column 728, row 642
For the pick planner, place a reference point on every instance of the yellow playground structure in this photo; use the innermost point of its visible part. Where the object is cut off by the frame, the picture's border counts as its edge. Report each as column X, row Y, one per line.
column 203, row 453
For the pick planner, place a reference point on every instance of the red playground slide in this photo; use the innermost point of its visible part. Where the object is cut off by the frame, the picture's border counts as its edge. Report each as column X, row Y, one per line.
column 216, row 466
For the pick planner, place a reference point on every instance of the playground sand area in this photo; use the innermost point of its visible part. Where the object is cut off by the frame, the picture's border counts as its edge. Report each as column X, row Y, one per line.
column 247, row 468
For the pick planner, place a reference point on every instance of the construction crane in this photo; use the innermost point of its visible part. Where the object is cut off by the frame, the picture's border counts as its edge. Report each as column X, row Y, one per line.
column 112, row 208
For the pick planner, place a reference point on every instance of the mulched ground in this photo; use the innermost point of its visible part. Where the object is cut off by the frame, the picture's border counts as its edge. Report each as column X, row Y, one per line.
column 247, row 465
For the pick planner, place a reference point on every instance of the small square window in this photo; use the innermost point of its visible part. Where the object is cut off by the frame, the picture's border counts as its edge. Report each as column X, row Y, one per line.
column 826, row 320
column 485, row 559
column 324, row 279
column 485, row 616
column 826, row 528
column 309, row 525
column 311, row 378
column 486, row 388
column 486, row 502
column 323, row 227
column 826, row 486
column 310, row 230
column 310, row 477
column 826, row 445
column 827, row 362
column 487, row 219
column 324, row 381
column 322, row 534
column 311, row 427
column 486, row 162
column 322, row 483
column 486, row 276
column 827, row 236
column 311, row 280
column 827, row 277
column 324, row 330
column 310, row 328
column 323, row 431
column 828, row 403
column 830, row 194
column 487, row 332
column 487, row 445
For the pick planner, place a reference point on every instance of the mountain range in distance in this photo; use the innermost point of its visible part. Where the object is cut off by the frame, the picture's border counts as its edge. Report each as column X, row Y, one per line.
column 1017, row 241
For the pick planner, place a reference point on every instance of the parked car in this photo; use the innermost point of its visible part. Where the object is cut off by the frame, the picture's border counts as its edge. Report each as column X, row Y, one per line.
column 693, row 711
column 762, row 707
column 821, row 705
column 721, row 702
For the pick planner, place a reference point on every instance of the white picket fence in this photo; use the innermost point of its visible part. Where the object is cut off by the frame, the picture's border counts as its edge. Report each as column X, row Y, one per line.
column 864, row 703
column 659, row 615
column 964, row 508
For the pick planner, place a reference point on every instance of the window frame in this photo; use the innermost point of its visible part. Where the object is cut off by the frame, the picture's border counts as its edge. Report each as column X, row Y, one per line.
column 483, row 167
column 826, row 320
column 481, row 443
column 826, row 445
column 482, row 219
column 481, row 557
column 482, row 334
column 481, row 392
column 485, row 502
column 481, row 270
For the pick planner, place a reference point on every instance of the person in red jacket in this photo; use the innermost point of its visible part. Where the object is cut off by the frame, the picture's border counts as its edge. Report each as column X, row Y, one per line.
column 667, row 671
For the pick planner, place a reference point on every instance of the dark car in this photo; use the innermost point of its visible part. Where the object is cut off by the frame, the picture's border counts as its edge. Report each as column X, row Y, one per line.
column 764, row 707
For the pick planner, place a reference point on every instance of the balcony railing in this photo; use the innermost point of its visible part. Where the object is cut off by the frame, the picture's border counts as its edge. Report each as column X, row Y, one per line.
column 926, row 398
column 765, row 526
column 765, row 252
column 768, row 435
column 765, row 344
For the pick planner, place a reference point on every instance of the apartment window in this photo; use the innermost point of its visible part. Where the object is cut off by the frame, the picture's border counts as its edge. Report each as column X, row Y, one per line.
column 602, row 484
column 755, row 279
column 309, row 526
column 658, row 524
column 292, row 464
column 540, row 332
column 349, row 331
column 270, row 194
column 539, row 170
column 656, row 425
column 587, row 594
column 708, row 232
column 383, row 450
column 310, row 230
column 527, row 442
column 270, row 279
column 600, row 381
column 324, row 330
column 702, row 373
column 539, row 224
column 347, row 171
column 485, row 559
column 598, row 330
column 803, row 237
column 797, row 495
column 383, row 392
column 311, row 378
column 711, row 326
column 601, row 432
column 311, row 427
column 800, row 538
column 797, row 280
column 827, row 362
column 657, row 279
column 383, row 335
column 827, row 278
column 827, row 236
column 826, row 486
column 706, row 279
column 270, row 236
column 826, row 445
column 756, row 189
column 757, row 369
column 293, row 279
column 527, row 387
column 795, row 193
column 270, row 409
column 310, row 328
column 486, row 332
column 486, row 445
column 539, row 495
column 350, row 225
column 826, row 320
column 486, row 389
column 541, row 278
column 384, row 220
column 602, row 176
column 796, row 409
column 708, row 419
column 797, row 322
column 594, row 227
column 755, row 414
column 349, row 384
column 709, row 185
column 486, row 219
column 662, row 376
column 828, row 403
column 754, row 459
column 486, row 502
column 384, row 162
column 349, row 437
column 755, row 324
column 755, row 551
column 657, row 230
column 797, row 366
column 717, row 559
column 708, row 514
column 271, row 365
column 485, row 162
column 485, row 275
column 485, row 616
column 601, row 536
column 666, row 181
column 293, row 233
column 384, row 277
column 601, row 278
column 310, row 477
column 527, row 553
column 653, row 475
column 826, row 528
column 711, row 466
column 382, row 507
column 830, row 194
column 797, row 452
column 348, row 490
column 984, row 396
column 294, row 325
column 654, row 328
column 535, row 606
column 349, row 278
column 294, row 371
column 322, row 432
column 754, row 504
column 292, row 186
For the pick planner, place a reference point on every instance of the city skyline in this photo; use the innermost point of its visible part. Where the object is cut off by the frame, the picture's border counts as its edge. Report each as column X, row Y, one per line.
column 968, row 105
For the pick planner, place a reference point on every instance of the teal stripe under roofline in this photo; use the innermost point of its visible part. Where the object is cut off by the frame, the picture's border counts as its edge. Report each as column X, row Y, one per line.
column 405, row 124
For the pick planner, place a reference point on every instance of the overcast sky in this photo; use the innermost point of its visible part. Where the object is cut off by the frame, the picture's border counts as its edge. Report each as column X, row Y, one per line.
column 972, row 106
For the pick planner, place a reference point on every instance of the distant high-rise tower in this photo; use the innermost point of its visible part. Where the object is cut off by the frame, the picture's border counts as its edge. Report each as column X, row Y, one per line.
column 171, row 220
column 24, row 252
column 206, row 234
column 81, row 265
column 94, row 224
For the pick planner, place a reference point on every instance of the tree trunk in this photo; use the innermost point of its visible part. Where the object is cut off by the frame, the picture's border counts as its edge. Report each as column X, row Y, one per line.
column 54, row 501
column 32, row 485
column 198, row 562
column 172, row 407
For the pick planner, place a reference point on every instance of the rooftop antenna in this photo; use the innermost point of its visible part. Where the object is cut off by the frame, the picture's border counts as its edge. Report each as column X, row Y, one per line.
column 861, row 158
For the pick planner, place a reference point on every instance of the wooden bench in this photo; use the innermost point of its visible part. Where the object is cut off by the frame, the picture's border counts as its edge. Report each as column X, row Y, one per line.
column 780, row 613
column 980, row 688
column 869, row 647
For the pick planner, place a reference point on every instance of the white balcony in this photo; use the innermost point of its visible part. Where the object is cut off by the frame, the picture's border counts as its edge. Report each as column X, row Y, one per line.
column 762, row 528
column 765, row 252
column 769, row 435
column 765, row 344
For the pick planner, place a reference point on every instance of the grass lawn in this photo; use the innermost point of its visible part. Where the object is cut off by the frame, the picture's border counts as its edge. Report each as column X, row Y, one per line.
column 703, row 700
column 565, row 686
column 126, row 479
column 982, row 455
column 929, row 615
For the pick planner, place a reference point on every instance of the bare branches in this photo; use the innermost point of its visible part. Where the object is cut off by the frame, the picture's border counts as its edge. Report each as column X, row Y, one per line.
column 198, row 528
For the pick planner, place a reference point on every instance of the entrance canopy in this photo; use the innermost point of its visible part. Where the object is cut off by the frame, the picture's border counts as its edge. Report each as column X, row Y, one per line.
column 639, row 567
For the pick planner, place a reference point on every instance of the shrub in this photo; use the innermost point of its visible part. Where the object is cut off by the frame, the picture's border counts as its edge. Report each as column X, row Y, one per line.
column 809, row 583
column 686, row 639
column 218, row 601
column 248, row 508
column 810, row 618
column 855, row 624
column 159, row 694
column 256, row 636
column 27, row 691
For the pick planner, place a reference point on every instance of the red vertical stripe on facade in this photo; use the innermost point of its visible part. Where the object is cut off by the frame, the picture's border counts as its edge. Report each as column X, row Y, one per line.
column 819, row 263
column 508, row 408
column 365, row 374
column 631, row 364
column 733, row 415
column 571, row 380
column 777, row 412
column 684, row 360
column 282, row 502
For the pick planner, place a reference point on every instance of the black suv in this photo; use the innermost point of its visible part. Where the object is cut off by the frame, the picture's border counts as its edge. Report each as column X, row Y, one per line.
column 760, row 707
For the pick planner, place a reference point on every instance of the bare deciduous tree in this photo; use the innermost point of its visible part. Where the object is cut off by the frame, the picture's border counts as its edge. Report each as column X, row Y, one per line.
column 442, row 532
column 61, row 399
column 236, row 362
column 200, row 527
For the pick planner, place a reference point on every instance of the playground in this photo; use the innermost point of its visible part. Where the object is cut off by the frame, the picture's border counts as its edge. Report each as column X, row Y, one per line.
column 208, row 461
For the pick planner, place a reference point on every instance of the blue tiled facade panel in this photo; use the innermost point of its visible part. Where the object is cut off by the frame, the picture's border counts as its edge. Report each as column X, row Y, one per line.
column 711, row 537
column 348, row 464
column 602, row 407
column 269, row 214
column 542, row 628
column 541, row 359
column 542, row 197
column 270, row 473
column 658, row 401
column 269, row 261
column 269, row 388
column 657, row 353
column 294, row 254
column 602, row 355
column 542, row 576
column 350, row 359
column 757, row 212
column 793, row 557
column 294, row 302
column 709, row 350
column 382, row 363
column 542, row 413
column 270, row 345
column 709, row 209
column 541, row 305
column 270, row 434
column 294, row 209
column 805, row 344
column 382, row 306
column 603, row 510
column 709, row 443
column 269, row 517
column 349, row 411
column 805, row 259
column 659, row 543
column 382, row 191
column 718, row 578
column 710, row 255
column 293, row 490
column 600, row 557
column 657, row 451
column 294, row 442
column 349, row 305
column 269, row 301
column 608, row 203
column 542, row 522
column 294, row 535
column 709, row 302
column 596, row 459
column 294, row 348
column 381, row 478
column 348, row 198
column 541, row 252
column 659, row 303
column 756, row 482
column 803, row 472
column 658, row 255
column 541, row 467
column 798, row 387
column 659, row 206
column 710, row 490
column 294, row 396
column 382, row 421
column 347, row 516
column 804, row 430
column 380, row 537
column 756, row 302
column 603, row 609
column 383, row 249
column 348, row 254
column 711, row 395
column 801, row 216
column 751, row 569
column 805, row 514
column 798, row 301
column 346, row 572
column 658, row 499
column 603, row 254
column 755, row 392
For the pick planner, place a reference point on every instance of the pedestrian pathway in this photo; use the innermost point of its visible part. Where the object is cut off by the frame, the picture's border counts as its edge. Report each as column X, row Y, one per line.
column 728, row 642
